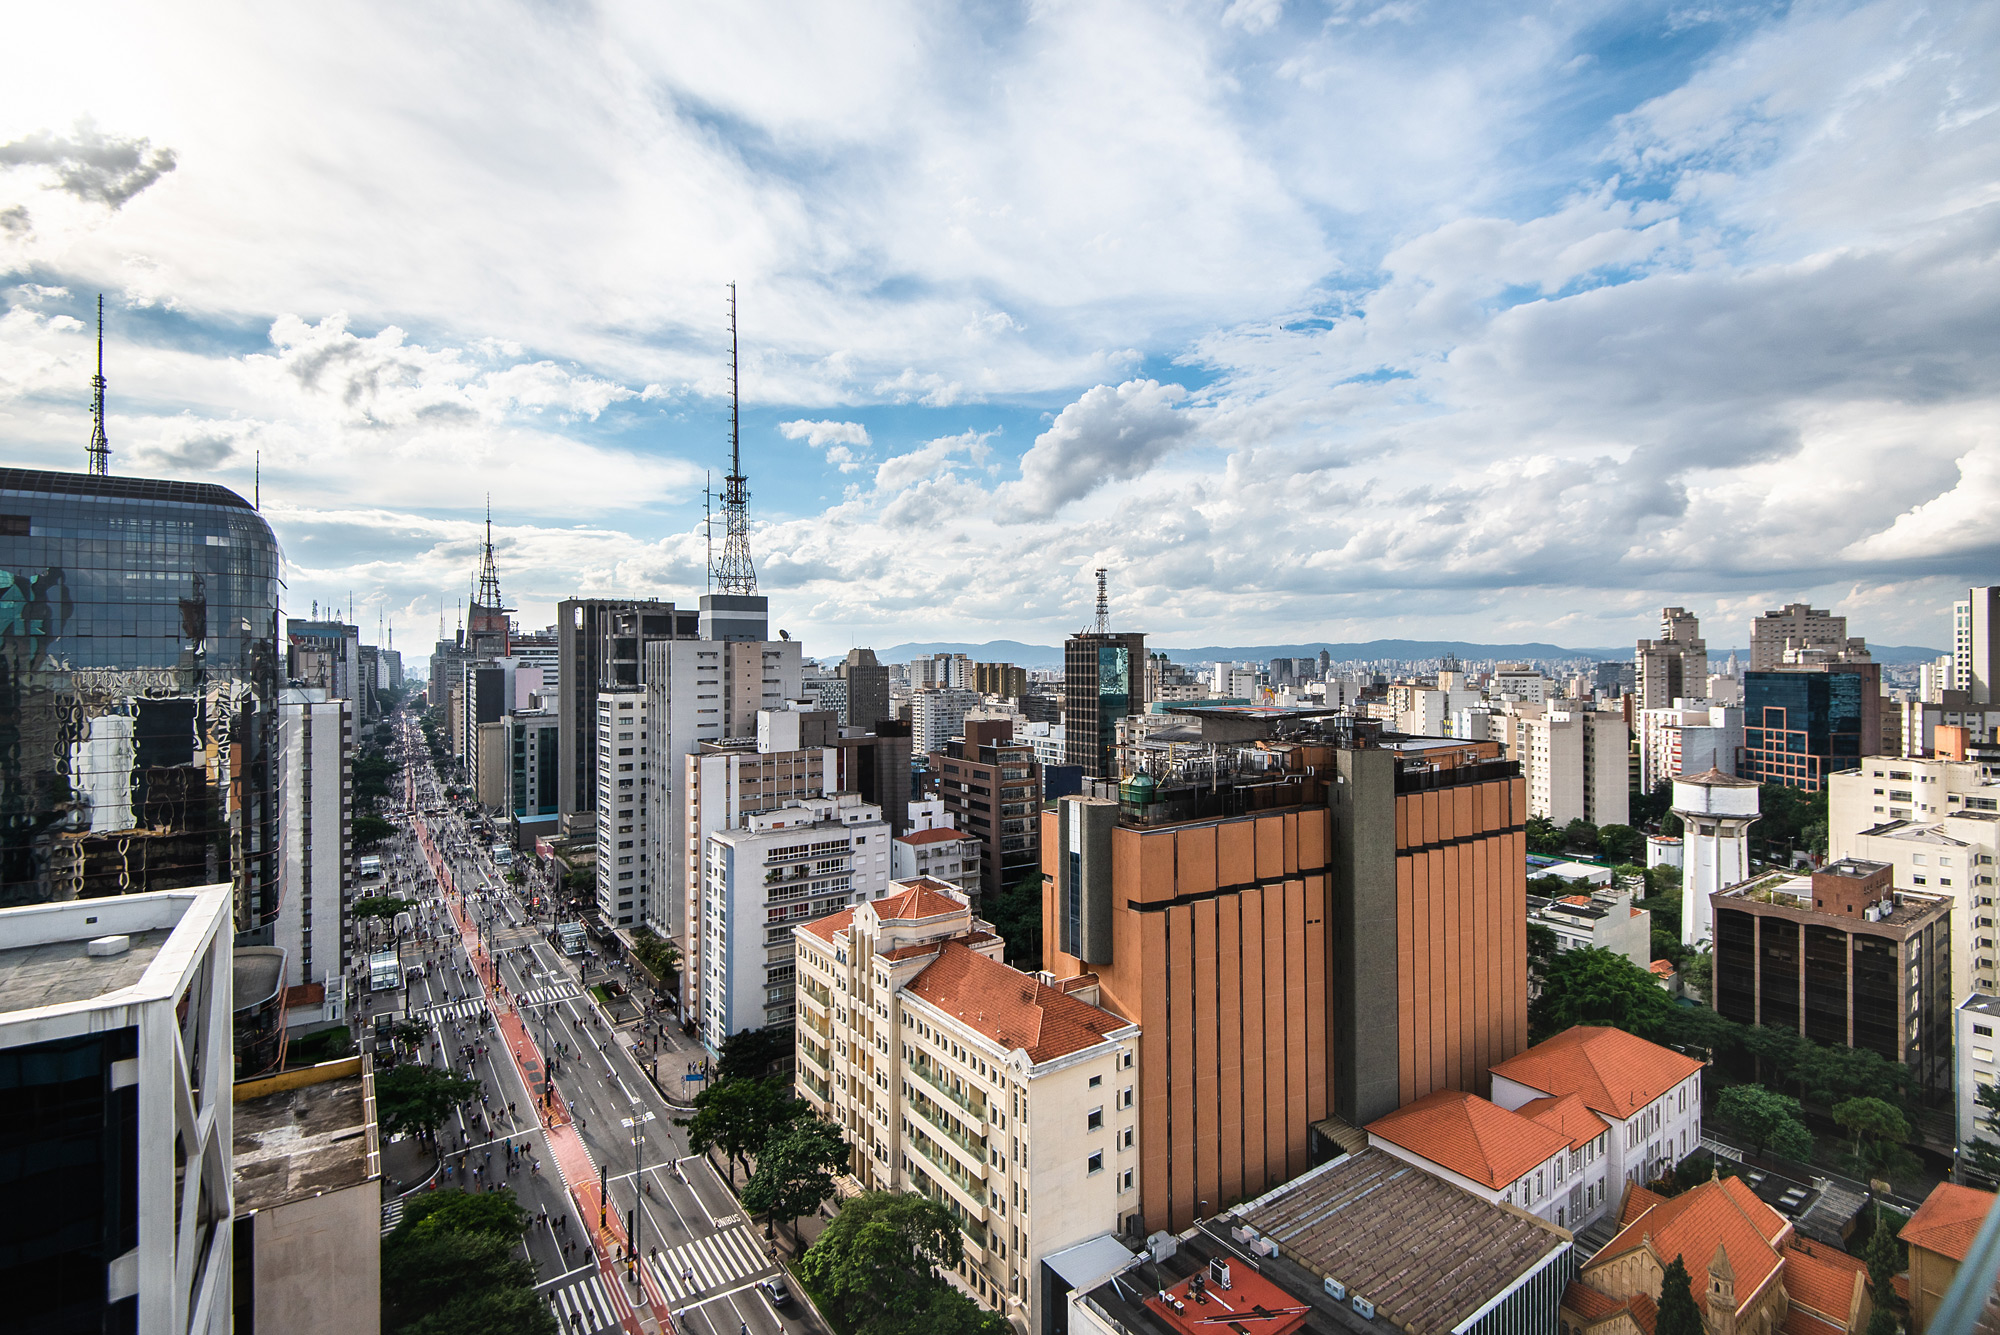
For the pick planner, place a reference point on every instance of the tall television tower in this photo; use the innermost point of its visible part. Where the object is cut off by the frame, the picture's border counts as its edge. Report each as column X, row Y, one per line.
column 100, row 445
column 735, row 572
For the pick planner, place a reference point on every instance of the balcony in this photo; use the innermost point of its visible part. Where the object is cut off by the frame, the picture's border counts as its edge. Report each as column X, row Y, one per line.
column 814, row 1054
column 932, row 1077
column 973, row 1187
column 935, row 1119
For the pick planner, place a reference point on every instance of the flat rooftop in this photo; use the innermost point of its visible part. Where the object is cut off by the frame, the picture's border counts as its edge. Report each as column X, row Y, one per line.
column 61, row 973
column 295, row 1143
column 1427, row 1254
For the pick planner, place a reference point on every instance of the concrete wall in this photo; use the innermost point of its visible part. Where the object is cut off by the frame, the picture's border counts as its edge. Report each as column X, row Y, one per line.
column 318, row 1263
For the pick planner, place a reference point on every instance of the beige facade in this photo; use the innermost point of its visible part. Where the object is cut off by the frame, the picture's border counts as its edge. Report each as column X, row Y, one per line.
column 936, row 1060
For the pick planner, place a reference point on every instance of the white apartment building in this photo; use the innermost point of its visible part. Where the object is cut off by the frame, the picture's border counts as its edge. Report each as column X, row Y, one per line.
column 1649, row 1096
column 116, row 1017
column 1692, row 736
column 937, row 714
column 1937, row 822
column 700, row 691
column 802, row 861
column 1798, row 629
column 938, row 853
column 1046, row 738
column 1605, row 918
column 1673, row 666
column 1917, row 722
column 1518, row 681
column 723, row 787
column 316, row 845
column 1976, row 1055
column 1011, row 1101
column 1574, row 762
column 1550, row 1156
column 626, row 893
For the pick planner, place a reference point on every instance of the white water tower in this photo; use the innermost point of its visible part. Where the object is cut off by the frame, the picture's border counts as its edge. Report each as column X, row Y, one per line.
column 1716, row 811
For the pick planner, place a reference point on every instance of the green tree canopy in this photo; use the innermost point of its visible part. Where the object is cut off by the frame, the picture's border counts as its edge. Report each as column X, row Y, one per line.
column 1016, row 913
column 1678, row 1314
column 738, row 1116
column 1581, row 835
column 751, row 1054
column 1543, row 836
column 452, row 1210
column 377, row 906
column 414, row 1098
column 1620, row 843
column 1770, row 1120
column 1983, row 1153
column 875, row 1266
column 1885, row 1262
column 795, row 1170
column 370, row 831
column 1597, row 987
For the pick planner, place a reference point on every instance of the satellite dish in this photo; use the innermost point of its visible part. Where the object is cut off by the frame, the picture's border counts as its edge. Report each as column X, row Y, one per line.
column 784, row 635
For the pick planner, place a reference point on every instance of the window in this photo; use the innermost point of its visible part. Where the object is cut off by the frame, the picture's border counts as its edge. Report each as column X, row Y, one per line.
column 1096, row 1080
column 1125, row 1182
column 1128, row 1096
column 1095, row 1121
column 1128, row 1138
column 1094, row 1164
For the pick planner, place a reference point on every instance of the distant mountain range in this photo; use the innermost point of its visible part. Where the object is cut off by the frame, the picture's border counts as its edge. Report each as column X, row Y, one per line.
column 1047, row 656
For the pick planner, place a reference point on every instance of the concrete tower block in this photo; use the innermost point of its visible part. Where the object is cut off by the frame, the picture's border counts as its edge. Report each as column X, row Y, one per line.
column 1717, row 811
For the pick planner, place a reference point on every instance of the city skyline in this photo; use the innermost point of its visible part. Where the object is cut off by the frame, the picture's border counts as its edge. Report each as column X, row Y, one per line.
column 1516, row 328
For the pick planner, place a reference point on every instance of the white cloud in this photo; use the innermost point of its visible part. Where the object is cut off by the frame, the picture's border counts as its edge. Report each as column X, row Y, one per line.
column 1107, row 435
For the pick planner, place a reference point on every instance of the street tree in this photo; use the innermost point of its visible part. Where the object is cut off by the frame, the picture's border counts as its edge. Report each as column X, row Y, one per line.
column 738, row 1116
column 1592, row 986
column 452, row 1210
column 795, row 1171
column 1543, row 836
column 875, row 1266
column 452, row 1268
column 749, row 1054
column 1620, row 843
column 1581, row 835
column 1982, row 1156
column 1884, row 1258
column 1879, row 1130
column 416, row 1099
column 377, row 906
column 1677, row 1313
column 1769, row 1119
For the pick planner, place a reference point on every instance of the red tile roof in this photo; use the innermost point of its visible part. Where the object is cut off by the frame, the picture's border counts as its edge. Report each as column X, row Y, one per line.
column 1693, row 1224
column 931, row 836
column 1568, row 1115
column 1588, row 1303
column 1948, row 1220
column 1662, row 968
column 1822, row 1279
column 1616, row 1073
column 1798, row 1321
column 829, row 927
column 1015, row 1009
column 1470, row 1136
column 921, row 897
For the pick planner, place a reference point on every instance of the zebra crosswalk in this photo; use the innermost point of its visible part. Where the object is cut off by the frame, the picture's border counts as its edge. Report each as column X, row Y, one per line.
column 721, row 1260
column 392, row 1214
column 543, row 996
column 465, row 1008
column 582, row 1306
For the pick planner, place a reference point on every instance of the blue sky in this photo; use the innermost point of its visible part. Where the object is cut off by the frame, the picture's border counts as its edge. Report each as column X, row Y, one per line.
column 1308, row 318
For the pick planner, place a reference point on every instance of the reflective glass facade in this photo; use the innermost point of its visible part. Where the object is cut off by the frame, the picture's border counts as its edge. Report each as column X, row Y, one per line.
column 139, row 674
column 1799, row 727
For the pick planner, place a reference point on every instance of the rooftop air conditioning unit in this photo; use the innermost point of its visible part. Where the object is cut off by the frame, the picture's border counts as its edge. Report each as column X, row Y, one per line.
column 1363, row 1307
column 1263, row 1247
column 1218, row 1270
column 1336, row 1290
column 1162, row 1245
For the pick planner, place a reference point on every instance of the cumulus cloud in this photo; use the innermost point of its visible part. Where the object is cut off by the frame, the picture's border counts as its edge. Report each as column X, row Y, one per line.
column 932, row 459
column 836, row 438
column 1107, row 435
column 91, row 165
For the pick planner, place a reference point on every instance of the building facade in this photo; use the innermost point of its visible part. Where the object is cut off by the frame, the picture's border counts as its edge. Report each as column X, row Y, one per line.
column 799, row 862
column 533, row 744
column 937, row 853
column 592, row 655
column 316, row 794
column 992, row 787
column 1803, row 724
column 1104, row 679
column 115, row 1025
column 627, row 892
column 1673, row 667
column 935, row 1059
column 1977, row 1067
column 1794, row 631
column 1844, row 958
column 1551, row 1157
column 140, row 650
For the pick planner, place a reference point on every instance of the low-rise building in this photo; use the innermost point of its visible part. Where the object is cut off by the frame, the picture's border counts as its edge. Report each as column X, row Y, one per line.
column 992, row 786
column 782, row 867
column 1549, row 1157
column 1938, row 1236
column 940, row 853
column 935, row 1058
column 1605, row 919
column 1649, row 1096
column 307, row 1157
column 1844, row 958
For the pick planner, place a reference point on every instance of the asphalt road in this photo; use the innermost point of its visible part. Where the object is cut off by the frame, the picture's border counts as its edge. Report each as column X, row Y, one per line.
column 705, row 1256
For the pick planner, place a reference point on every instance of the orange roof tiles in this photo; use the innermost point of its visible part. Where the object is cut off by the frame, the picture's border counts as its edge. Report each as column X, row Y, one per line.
column 1822, row 1279
column 1588, row 1303
column 1014, row 1009
column 1693, row 1224
column 1614, row 1072
column 1568, row 1116
column 1662, row 967
column 1948, row 1220
column 931, row 836
column 829, row 927
column 1637, row 1201
column 1798, row 1321
column 1470, row 1136
column 1583, row 900
column 921, row 897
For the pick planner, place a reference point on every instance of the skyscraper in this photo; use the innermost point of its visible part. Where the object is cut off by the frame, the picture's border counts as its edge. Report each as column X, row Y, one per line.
column 600, row 646
column 139, row 675
column 1802, row 723
column 1795, row 630
column 1675, row 666
column 867, row 688
column 1976, row 644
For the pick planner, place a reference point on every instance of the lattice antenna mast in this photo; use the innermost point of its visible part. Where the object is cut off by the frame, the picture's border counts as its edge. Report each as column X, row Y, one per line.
column 100, row 444
column 735, row 573
column 489, row 574
column 1103, row 605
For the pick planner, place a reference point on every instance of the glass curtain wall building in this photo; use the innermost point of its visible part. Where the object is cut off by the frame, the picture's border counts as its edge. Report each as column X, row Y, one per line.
column 139, row 676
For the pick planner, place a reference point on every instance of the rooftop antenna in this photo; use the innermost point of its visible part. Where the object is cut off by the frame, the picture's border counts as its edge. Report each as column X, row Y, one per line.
column 257, row 483
column 708, row 521
column 1103, row 605
column 489, row 575
column 735, row 573
column 100, row 444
